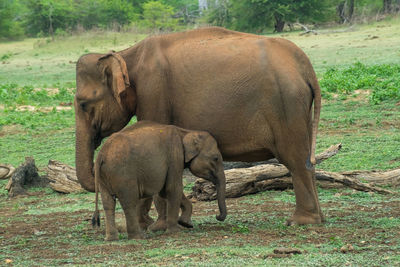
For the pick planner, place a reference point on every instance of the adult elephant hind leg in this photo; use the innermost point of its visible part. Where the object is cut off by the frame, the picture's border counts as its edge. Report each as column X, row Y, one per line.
column 293, row 151
column 109, row 210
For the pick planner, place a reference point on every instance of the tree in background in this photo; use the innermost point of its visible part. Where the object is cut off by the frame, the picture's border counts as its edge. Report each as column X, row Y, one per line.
column 10, row 24
column 187, row 11
column 256, row 15
column 57, row 17
column 218, row 12
column 46, row 16
column 157, row 15
column 345, row 11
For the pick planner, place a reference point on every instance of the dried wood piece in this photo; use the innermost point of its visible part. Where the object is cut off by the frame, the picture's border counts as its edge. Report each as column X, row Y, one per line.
column 62, row 177
column 283, row 250
column 24, row 175
column 391, row 177
column 6, row 171
column 350, row 182
column 328, row 153
column 244, row 181
column 306, row 29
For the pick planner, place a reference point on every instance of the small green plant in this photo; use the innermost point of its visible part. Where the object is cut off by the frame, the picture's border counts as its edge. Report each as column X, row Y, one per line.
column 240, row 228
column 6, row 56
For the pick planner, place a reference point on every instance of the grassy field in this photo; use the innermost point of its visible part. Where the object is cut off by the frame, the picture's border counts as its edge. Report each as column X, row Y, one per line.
column 37, row 80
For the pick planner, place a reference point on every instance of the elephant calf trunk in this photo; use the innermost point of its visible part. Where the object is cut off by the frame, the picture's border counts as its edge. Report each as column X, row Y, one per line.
column 221, row 197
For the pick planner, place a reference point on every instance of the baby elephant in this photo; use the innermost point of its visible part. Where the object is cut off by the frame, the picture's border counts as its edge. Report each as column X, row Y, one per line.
column 148, row 158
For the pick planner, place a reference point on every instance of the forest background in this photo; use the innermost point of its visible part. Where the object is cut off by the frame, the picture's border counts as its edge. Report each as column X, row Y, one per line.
column 53, row 18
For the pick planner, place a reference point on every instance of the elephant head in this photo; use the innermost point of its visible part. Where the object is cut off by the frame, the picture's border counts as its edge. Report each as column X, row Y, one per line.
column 205, row 161
column 104, row 103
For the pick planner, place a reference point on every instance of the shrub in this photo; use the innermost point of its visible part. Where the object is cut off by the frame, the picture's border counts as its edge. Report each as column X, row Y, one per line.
column 382, row 80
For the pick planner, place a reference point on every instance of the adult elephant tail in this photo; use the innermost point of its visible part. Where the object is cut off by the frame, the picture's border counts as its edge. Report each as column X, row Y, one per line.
column 313, row 82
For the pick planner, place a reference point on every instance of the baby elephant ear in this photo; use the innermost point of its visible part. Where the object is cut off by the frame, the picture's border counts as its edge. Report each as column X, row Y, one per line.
column 191, row 145
column 113, row 67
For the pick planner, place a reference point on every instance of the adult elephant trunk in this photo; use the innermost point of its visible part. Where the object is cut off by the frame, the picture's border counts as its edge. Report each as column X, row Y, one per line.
column 221, row 185
column 84, row 150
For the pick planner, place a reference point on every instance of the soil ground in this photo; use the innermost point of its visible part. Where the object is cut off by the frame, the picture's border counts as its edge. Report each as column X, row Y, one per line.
column 34, row 231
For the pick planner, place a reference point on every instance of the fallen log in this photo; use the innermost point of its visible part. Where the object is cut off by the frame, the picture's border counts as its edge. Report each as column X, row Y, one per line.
column 275, row 176
column 240, row 182
column 62, row 177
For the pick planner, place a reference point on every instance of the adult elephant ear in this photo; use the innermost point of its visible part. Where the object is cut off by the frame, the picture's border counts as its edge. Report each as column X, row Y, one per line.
column 115, row 72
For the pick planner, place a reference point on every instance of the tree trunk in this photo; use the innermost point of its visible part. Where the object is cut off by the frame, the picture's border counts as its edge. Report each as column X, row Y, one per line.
column 25, row 175
column 279, row 23
column 351, row 10
column 345, row 11
column 51, row 31
column 387, row 6
column 340, row 11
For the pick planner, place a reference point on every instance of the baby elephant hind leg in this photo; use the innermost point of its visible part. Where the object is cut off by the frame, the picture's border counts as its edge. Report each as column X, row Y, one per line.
column 109, row 210
column 129, row 202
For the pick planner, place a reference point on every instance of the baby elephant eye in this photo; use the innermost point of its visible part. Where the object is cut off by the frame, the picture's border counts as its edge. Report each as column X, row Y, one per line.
column 215, row 158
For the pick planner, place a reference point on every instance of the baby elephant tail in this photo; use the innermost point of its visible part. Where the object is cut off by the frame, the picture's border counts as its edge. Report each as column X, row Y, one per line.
column 96, row 214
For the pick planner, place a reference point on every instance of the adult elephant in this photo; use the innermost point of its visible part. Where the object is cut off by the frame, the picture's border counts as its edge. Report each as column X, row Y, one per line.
column 253, row 94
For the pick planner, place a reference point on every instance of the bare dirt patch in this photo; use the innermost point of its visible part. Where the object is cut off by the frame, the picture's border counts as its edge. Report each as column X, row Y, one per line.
column 10, row 129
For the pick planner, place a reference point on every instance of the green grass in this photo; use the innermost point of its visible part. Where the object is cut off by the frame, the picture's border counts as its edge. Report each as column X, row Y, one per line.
column 375, row 43
column 44, row 63
column 382, row 80
column 359, row 78
column 242, row 240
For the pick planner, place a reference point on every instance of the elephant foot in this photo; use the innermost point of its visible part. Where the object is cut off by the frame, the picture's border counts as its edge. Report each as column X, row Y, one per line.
column 138, row 235
column 185, row 222
column 305, row 219
column 159, row 225
column 145, row 222
column 121, row 228
column 111, row 237
column 173, row 229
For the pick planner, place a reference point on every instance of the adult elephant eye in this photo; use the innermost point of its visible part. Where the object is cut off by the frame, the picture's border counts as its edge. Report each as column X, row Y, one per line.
column 83, row 106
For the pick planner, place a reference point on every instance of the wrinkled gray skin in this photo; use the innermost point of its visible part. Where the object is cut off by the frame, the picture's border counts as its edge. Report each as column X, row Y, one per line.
column 254, row 94
column 147, row 159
